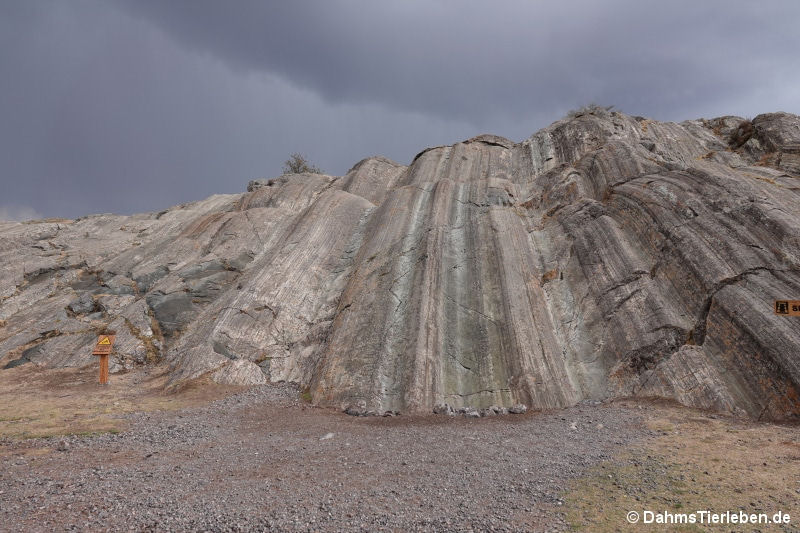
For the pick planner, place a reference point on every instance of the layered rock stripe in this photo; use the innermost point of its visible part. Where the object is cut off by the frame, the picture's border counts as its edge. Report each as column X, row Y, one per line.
column 605, row 256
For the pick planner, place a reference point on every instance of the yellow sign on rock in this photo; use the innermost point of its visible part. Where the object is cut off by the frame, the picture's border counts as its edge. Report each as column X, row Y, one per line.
column 787, row 307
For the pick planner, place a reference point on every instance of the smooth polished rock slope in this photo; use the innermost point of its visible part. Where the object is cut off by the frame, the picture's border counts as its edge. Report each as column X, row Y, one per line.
column 605, row 256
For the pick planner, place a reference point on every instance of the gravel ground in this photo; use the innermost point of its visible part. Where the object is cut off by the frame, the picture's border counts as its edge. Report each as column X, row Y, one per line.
column 264, row 460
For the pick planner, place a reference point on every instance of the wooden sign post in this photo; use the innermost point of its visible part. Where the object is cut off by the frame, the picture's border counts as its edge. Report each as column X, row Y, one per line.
column 103, row 348
column 787, row 307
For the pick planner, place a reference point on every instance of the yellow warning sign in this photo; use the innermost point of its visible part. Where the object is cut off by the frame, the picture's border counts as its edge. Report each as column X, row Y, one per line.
column 104, row 345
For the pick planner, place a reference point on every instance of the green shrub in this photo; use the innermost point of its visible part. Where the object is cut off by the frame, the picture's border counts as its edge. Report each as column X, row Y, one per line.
column 298, row 164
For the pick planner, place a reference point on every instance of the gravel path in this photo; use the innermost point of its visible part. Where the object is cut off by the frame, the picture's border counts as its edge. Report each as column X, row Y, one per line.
column 263, row 460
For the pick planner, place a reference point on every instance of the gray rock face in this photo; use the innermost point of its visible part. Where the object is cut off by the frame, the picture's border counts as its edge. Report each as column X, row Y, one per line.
column 605, row 256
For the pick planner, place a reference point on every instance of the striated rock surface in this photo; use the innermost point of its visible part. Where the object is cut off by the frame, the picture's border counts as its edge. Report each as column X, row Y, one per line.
column 605, row 256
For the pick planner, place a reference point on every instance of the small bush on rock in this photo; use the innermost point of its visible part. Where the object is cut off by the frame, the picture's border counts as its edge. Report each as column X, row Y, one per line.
column 298, row 164
column 592, row 109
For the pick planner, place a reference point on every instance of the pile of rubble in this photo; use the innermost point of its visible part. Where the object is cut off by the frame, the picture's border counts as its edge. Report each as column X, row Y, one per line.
column 473, row 412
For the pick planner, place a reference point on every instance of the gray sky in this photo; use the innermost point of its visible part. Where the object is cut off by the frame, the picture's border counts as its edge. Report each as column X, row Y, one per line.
column 132, row 106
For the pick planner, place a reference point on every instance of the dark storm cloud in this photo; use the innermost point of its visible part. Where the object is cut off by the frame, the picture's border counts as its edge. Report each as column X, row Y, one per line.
column 473, row 60
column 135, row 106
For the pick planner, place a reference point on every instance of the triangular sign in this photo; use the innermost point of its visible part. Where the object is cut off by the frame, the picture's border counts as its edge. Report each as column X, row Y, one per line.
column 104, row 341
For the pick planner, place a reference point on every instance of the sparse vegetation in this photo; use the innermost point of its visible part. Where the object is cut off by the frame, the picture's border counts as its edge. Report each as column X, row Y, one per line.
column 52, row 402
column 299, row 164
column 697, row 462
column 741, row 134
column 305, row 395
column 592, row 109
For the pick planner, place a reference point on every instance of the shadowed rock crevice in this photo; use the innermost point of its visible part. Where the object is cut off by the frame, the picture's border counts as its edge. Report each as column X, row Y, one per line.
column 604, row 256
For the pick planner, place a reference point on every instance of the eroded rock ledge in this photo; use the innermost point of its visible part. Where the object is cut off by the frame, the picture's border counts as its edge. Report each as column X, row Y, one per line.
column 605, row 256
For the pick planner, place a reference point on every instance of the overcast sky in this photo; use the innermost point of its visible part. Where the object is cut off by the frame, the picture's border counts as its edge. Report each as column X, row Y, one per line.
column 132, row 106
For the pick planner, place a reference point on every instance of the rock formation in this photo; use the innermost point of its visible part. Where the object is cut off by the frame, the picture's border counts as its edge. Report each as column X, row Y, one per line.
column 605, row 256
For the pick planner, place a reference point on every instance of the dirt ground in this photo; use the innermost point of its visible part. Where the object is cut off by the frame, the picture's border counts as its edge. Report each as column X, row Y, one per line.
column 130, row 457
column 38, row 402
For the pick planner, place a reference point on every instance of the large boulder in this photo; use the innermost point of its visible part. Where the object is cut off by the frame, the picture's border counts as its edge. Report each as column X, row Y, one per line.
column 605, row 256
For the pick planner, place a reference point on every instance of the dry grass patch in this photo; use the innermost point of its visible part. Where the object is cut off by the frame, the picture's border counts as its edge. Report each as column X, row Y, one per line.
column 697, row 462
column 38, row 402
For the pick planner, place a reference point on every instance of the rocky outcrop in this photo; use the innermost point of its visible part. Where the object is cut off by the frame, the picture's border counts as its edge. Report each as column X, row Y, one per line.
column 605, row 256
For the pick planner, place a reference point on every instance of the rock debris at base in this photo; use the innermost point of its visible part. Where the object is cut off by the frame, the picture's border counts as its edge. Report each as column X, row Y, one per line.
column 474, row 412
